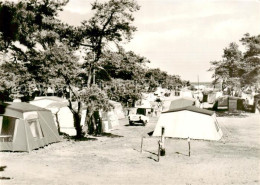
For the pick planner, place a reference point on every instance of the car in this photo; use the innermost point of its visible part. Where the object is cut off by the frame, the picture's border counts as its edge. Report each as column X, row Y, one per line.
column 140, row 116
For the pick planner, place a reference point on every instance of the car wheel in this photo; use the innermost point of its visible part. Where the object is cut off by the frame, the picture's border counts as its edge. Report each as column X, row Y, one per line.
column 144, row 122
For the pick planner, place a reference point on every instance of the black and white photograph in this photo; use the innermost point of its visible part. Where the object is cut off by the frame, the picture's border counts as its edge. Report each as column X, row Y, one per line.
column 129, row 92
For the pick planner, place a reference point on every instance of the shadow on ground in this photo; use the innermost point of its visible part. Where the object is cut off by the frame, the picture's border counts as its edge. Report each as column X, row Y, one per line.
column 134, row 125
column 2, row 168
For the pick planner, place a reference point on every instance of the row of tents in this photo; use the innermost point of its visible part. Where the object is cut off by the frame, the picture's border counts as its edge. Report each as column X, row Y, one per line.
column 28, row 126
column 182, row 119
column 216, row 100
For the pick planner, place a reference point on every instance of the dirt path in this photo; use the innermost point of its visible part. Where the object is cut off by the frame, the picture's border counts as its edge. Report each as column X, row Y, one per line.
column 233, row 160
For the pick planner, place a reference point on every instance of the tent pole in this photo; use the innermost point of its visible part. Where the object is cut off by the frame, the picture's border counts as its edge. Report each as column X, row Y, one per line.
column 162, row 142
column 189, row 145
column 142, row 144
column 159, row 150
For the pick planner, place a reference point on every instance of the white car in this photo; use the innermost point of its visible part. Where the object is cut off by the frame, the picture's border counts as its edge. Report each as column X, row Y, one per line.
column 139, row 117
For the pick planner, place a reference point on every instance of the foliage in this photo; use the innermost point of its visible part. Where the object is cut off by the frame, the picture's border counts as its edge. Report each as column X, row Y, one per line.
column 124, row 65
column 42, row 49
column 111, row 22
column 238, row 69
column 125, row 91
column 156, row 77
column 251, row 67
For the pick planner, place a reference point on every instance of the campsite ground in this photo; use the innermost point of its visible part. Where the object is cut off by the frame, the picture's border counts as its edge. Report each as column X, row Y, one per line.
column 117, row 160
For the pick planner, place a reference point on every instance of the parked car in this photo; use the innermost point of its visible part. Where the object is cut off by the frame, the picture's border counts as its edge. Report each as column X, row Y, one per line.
column 140, row 116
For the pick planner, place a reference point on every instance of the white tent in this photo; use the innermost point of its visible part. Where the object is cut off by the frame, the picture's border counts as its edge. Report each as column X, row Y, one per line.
column 59, row 108
column 109, row 120
column 143, row 104
column 118, row 109
column 191, row 122
column 186, row 93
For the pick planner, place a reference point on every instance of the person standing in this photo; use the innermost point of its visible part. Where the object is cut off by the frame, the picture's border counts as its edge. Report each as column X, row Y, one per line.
column 197, row 102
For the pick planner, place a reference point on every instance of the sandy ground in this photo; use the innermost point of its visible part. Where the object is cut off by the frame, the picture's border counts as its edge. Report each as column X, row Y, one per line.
column 118, row 160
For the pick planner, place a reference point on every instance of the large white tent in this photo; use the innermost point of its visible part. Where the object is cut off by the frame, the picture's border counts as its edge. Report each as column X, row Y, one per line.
column 192, row 122
column 61, row 112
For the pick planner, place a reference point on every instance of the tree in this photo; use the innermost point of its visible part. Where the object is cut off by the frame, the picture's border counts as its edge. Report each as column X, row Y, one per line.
column 125, row 91
column 156, row 78
column 111, row 23
column 251, row 66
column 124, row 65
column 95, row 100
column 238, row 69
column 27, row 28
column 228, row 70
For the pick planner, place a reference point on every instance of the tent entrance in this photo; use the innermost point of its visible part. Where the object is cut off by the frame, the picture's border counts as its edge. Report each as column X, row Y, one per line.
column 7, row 127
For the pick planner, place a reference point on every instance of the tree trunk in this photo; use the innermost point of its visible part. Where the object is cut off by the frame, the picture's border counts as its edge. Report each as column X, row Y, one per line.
column 58, row 123
column 94, row 76
column 94, row 123
column 77, row 119
column 77, row 125
column 89, row 77
column 89, row 123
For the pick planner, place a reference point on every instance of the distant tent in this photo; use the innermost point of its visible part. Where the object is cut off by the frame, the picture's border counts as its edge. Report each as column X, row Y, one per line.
column 192, row 122
column 118, row 109
column 197, row 95
column 166, row 105
column 144, row 104
column 61, row 112
column 257, row 103
column 109, row 120
column 231, row 103
column 181, row 102
column 248, row 97
column 187, row 94
column 25, row 127
column 212, row 97
column 221, row 103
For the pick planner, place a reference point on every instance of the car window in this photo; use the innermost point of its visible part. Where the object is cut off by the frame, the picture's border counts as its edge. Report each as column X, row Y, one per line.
column 141, row 111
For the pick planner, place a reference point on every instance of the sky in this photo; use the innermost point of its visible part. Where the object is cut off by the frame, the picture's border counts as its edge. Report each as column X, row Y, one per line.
column 181, row 37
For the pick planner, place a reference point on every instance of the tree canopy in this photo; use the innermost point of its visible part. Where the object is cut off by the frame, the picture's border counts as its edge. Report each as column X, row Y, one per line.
column 237, row 68
column 41, row 51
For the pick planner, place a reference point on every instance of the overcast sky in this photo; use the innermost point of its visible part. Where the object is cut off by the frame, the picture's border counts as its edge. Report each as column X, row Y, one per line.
column 183, row 36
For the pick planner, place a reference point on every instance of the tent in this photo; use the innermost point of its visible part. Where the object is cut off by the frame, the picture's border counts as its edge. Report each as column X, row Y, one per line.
column 197, row 95
column 212, row 97
column 186, row 93
column 257, row 103
column 191, row 121
column 221, row 102
column 181, row 102
column 109, row 120
column 25, row 127
column 61, row 112
column 118, row 109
